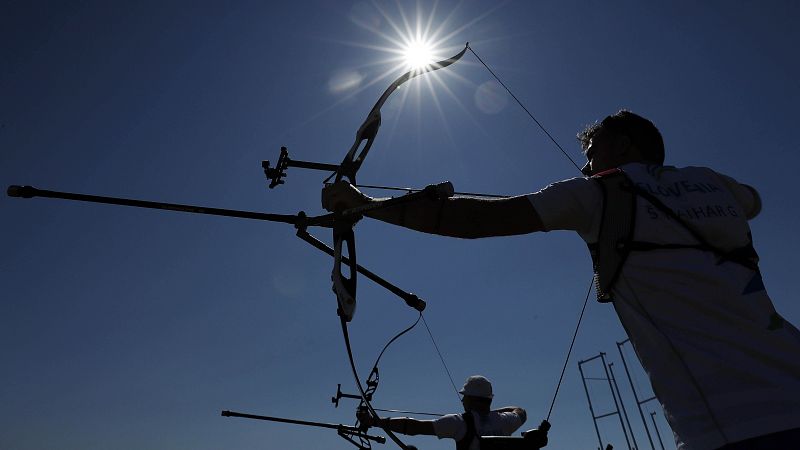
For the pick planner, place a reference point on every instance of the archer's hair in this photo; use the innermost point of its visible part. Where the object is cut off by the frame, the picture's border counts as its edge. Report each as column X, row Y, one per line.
column 641, row 131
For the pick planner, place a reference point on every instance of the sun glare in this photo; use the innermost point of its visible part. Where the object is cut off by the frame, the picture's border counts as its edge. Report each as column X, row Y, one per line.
column 418, row 54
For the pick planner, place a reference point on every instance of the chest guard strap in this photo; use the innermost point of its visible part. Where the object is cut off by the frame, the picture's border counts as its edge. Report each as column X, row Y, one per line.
column 615, row 240
column 616, row 230
column 471, row 434
column 745, row 255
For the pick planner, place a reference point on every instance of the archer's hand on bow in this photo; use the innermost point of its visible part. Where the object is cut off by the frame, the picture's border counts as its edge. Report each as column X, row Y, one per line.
column 342, row 195
column 366, row 418
column 423, row 215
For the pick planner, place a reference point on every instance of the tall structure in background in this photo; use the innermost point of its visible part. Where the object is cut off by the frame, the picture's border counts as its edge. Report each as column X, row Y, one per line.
column 639, row 403
column 612, row 404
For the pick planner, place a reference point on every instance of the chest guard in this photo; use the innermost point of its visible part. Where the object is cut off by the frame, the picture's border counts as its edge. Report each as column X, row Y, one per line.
column 466, row 441
column 616, row 237
column 616, row 231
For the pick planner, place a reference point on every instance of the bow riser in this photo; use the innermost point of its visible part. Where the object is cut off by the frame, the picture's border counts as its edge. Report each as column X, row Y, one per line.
column 345, row 288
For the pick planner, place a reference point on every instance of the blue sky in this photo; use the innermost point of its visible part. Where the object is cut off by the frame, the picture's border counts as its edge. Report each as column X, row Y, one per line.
column 128, row 329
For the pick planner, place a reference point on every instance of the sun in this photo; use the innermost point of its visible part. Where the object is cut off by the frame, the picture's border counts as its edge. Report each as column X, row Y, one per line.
column 411, row 42
column 418, row 54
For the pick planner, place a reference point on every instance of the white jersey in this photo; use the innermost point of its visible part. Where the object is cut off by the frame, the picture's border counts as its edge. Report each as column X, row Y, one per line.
column 492, row 424
column 724, row 365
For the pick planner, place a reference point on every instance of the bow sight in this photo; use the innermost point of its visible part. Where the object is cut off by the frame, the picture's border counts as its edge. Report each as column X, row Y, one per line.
column 276, row 174
column 342, row 223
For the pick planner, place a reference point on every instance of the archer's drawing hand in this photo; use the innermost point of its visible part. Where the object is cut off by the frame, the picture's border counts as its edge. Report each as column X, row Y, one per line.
column 342, row 195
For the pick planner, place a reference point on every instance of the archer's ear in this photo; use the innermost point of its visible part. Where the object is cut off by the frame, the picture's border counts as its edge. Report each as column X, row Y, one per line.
column 624, row 145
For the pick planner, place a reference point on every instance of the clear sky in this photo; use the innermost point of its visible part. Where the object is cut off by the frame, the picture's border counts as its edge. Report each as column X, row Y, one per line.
column 128, row 329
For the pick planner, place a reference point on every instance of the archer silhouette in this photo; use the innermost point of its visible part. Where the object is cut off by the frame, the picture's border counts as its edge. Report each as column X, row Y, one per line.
column 673, row 254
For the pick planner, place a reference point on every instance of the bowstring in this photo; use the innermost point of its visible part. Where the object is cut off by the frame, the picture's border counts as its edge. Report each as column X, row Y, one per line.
column 367, row 393
column 422, row 317
column 569, row 352
column 553, row 140
column 541, row 127
column 361, row 390
column 441, row 358
column 435, row 346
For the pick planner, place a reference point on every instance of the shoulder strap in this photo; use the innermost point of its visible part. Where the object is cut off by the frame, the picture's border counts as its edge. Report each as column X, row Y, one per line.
column 745, row 256
column 616, row 227
column 471, row 434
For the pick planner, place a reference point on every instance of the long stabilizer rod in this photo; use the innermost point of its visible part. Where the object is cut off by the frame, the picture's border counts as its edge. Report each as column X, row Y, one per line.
column 299, row 220
column 30, row 192
column 346, row 428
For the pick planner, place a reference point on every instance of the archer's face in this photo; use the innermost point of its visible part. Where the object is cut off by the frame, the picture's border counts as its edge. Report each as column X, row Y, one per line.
column 474, row 404
column 602, row 153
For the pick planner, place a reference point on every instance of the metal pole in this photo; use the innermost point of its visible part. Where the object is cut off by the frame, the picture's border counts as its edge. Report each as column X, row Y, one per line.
column 635, row 396
column 653, row 417
column 589, row 399
column 614, row 397
column 622, row 403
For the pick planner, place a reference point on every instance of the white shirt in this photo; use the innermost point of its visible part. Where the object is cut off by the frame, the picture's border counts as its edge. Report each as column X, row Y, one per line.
column 723, row 364
column 492, row 424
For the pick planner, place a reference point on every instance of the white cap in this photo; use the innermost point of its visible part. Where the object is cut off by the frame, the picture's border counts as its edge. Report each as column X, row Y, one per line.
column 477, row 386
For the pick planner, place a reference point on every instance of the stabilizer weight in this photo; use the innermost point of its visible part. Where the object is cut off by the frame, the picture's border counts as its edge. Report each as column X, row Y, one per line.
column 21, row 191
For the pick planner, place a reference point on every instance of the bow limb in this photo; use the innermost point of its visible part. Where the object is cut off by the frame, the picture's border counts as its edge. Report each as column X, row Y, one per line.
column 373, row 380
column 364, row 397
column 369, row 129
column 343, row 237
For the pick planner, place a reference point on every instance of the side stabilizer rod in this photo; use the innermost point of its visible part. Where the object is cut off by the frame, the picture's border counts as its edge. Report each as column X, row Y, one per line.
column 411, row 299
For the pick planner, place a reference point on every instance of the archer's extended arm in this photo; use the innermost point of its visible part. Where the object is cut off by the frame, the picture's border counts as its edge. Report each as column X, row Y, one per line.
column 405, row 425
column 463, row 217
